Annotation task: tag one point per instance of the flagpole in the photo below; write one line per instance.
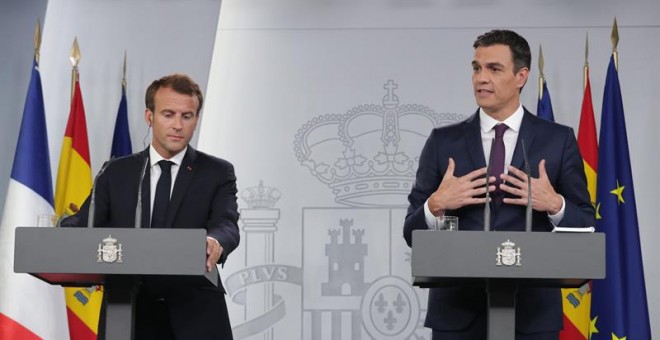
(75, 59)
(37, 41)
(541, 79)
(586, 63)
(615, 43)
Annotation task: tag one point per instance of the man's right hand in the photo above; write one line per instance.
(456, 192)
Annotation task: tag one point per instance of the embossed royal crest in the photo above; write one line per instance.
(507, 255)
(109, 251)
(369, 155)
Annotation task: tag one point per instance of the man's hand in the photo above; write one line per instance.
(456, 192)
(74, 208)
(213, 252)
(544, 197)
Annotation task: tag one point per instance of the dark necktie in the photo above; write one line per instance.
(162, 197)
(497, 165)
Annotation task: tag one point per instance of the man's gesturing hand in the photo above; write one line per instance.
(456, 192)
(544, 197)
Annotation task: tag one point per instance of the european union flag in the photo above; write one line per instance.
(121, 140)
(618, 307)
(544, 108)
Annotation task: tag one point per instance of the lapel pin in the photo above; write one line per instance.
(189, 168)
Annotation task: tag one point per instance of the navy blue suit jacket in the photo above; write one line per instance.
(204, 196)
(537, 310)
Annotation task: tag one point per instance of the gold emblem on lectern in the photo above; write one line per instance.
(507, 255)
(109, 251)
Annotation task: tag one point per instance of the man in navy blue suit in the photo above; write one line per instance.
(198, 191)
(451, 180)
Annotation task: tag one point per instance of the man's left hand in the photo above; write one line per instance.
(544, 196)
(213, 252)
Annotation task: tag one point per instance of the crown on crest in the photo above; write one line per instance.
(261, 197)
(368, 156)
(508, 244)
(109, 240)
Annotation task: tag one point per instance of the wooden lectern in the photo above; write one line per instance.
(502, 262)
(117, 258)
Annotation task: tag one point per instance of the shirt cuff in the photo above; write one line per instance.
(428, 216)
(556, 218)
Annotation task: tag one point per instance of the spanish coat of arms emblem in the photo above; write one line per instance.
(109, 251)
(507, 255)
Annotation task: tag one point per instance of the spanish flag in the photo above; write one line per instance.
(74, 182)
(577, 302)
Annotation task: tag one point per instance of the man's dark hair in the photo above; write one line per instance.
(522, 57)
(180, 83)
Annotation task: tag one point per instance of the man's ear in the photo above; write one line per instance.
(149, 117)
(522, 76)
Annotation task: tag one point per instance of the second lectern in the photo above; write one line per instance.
(503, 261)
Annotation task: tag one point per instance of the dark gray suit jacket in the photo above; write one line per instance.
(537, 310)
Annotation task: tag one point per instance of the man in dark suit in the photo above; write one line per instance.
(202, 194)
(451, 181)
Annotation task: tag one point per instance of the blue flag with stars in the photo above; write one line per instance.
(544, 108)
(618, 307)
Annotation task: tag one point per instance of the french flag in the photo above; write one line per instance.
(29, 308)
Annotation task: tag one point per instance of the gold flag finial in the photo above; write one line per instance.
(615, 43)
(37, 40)
(615, 36)
(541, 64)
(123, 77)
(586, 63)
(75, 59)
(586, 51)
(75, 53)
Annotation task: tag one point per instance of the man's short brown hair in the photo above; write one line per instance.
(178, 82)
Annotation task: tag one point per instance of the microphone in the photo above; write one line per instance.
(138, 207)
(146, 135)
(92, 198)
(528, 211)
(487, 206)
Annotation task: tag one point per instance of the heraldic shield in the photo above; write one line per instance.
(507, 255)
(109, 251)
(355, 276)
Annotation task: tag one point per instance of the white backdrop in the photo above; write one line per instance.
(298, 97)
(159, 37)
(278, 65)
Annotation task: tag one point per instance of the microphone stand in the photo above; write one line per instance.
(138, 207)
(488, 170)
(92, 198)
(528, 211)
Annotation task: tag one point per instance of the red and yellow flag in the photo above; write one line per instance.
(74, 182)
(577, 302)
(587, 141)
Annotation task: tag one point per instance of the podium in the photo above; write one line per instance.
(502, 262)
(117, 258)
